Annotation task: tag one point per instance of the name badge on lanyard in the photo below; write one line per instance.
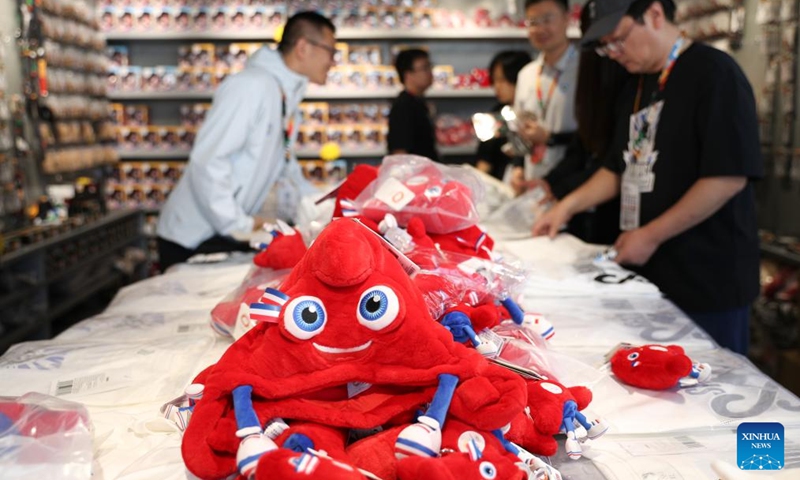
(640, 158)
(641, 155)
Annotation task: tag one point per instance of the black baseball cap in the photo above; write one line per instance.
(604, 16)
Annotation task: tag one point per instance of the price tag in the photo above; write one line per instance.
(394, 194)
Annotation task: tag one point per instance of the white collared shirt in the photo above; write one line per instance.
(560, 114)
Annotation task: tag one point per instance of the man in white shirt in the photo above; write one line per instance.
(545, 91)
(243, 152)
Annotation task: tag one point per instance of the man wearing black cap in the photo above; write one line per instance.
(684, 154)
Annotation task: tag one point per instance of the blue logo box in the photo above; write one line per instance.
(759, 446)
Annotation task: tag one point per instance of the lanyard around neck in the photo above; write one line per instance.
(680, 46)
(545, 104)
(288, 125)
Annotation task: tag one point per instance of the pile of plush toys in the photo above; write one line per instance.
(372, 358)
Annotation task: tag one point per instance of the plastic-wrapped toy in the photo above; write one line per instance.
(409, 186)
(354, 348)
(657, 367)
(284, 251)
(555, 408)
(44, 437)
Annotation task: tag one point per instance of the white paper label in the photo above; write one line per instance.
(394, 194)
(472, 266)
(662, 446)
(88, 384)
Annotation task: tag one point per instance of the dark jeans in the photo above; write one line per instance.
(170, 253)
(731, 329)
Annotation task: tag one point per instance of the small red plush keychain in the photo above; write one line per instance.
(657, 367)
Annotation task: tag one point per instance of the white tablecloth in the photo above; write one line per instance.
(155, 336)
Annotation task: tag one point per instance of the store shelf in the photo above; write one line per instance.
(509, 33)
(313, 94)
(153, 154)
(781, 254)
(9, 338)
(174, 95)
(107, 252)
(13, 298)
(74, 233)
(366, 152)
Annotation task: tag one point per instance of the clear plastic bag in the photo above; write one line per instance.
(449, 279)
(515, 219)
(443, 197)
(524, 348)
(231, 316)
(44, 437)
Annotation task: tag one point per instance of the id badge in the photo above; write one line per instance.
(647, 182)
(630, 204)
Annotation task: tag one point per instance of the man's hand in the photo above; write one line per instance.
(259, 222)
(533, 132)
(635, 247)
(551, 222)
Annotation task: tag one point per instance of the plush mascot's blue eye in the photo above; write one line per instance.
(488, 470)
(633, 356)
(305, 317)
(378, 307)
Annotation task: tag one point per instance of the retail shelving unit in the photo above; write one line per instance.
(313, 94)
(463, 48)
(60, 268)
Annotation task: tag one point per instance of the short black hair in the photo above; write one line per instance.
(637, 9)
(563, 3)
(300, 25)
(404, 62)
(511, 62)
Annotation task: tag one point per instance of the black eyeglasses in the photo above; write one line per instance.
(330, 50)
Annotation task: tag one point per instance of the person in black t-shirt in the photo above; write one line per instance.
(411, 129)
(503, 71)
(683, 158)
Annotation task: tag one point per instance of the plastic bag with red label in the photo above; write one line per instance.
(231, 317)
(44, 437)
(450, 279)
(443, 197)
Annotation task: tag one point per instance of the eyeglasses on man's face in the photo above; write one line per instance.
(541, 21)
(331, 50)
(615, 45)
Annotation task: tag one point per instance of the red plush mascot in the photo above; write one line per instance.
(555, 408)
(657, 367)
(353, 349)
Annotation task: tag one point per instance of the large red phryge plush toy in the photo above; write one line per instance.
(354, 348)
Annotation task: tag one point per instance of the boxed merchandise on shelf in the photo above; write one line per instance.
(142, 184)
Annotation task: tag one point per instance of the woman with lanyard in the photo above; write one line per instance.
(684, 155)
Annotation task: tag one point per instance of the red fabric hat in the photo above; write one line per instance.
(353, 315)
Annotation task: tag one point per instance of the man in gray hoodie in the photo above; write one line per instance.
(243, 152)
